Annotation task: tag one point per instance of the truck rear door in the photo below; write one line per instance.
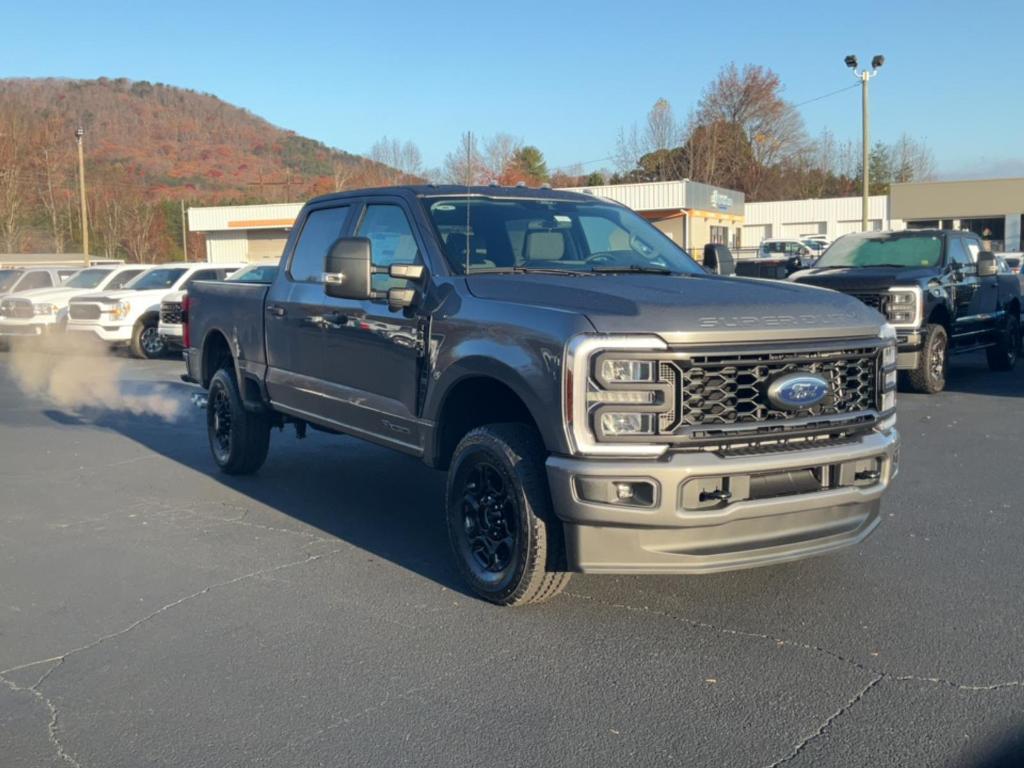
(294, 333)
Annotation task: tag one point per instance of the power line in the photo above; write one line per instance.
(826, 95)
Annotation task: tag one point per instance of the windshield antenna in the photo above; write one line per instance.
(469, 179)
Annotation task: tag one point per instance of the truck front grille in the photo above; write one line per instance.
(81, 311)
(877, 301)
(16, 308)
(170, 313)
(726, 393)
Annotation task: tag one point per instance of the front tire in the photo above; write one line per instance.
(1003, 356)
(147, 343)
(239, 439)
(506, 540)
(929, 376)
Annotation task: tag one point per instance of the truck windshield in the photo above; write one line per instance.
(87, 278)
(883, 250)
(156, 278)
(494, 235)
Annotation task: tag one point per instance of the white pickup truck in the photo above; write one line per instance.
(40, 311)
(130, 316)
(171, 306)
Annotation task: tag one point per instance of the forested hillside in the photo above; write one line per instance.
(147, 147)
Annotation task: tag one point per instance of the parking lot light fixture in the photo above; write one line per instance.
(864, 76)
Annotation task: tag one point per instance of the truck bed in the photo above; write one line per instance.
(234, 309)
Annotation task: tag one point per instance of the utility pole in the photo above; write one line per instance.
(864, 76)
(79, 133)
(184, 232)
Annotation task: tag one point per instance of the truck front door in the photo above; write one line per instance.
(371, 354)
(964, 285)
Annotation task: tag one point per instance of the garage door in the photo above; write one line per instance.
(266, 245)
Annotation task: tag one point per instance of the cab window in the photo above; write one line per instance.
(35, 280)
(957, 253)
(391, 241)
(321, 229)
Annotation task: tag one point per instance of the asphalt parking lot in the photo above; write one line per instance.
(156, 613)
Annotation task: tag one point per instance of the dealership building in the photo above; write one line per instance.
(693, 214)
(244, 233)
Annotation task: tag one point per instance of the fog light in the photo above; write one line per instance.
(890, 380)
(627, 493)
(888, 401)
(625, 424)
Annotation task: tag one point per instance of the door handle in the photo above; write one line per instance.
(276, 310)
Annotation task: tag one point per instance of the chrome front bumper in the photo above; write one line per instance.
(715, 513)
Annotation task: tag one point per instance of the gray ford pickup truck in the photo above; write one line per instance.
(600, 403)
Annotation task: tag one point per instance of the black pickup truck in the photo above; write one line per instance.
(939, 288)
(599, 401)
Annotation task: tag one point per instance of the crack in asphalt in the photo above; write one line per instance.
(877, 675)
(51, 726)
(820, 731)
(59, 659)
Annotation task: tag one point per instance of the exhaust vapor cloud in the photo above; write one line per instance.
(76, 372)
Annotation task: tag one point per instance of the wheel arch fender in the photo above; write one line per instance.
(485, 374)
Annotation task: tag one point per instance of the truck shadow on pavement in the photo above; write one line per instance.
(387, 504)
(970, 375)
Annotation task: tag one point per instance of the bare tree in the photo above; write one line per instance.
(13, 178)
(751, 100)
(465, 164)
(498, 156)
(912, 160)
(139, 234)
(400, 161)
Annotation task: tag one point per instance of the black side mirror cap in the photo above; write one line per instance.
(347, 269)
(987, 265)
(412, 272)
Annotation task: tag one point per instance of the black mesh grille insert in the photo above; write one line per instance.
(732, 388)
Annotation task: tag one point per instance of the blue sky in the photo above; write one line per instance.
(562, 75)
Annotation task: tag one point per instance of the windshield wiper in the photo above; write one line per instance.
(517, 270)
(635, 268)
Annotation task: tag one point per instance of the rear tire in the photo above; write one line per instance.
(506, 540)
(147, 343)
(239, 439)
(1003, 356)
(929, 376)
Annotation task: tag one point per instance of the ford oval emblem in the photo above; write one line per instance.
(797, 391)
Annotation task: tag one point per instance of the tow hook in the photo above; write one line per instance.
(199, 399)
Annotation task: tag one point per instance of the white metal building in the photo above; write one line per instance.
(691, 213)
(242, 233)
(831, 216)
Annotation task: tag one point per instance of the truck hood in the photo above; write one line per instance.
(135, 296)
(685, 309)
(863, 278)
(47, 295)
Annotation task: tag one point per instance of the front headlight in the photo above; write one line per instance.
(44, 309)
(887, 379)
(612, 396)
(904, 307)
(121, 310)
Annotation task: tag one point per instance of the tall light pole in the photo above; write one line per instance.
(79, 133)
(864, 76)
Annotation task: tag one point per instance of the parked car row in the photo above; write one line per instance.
(120, 304)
